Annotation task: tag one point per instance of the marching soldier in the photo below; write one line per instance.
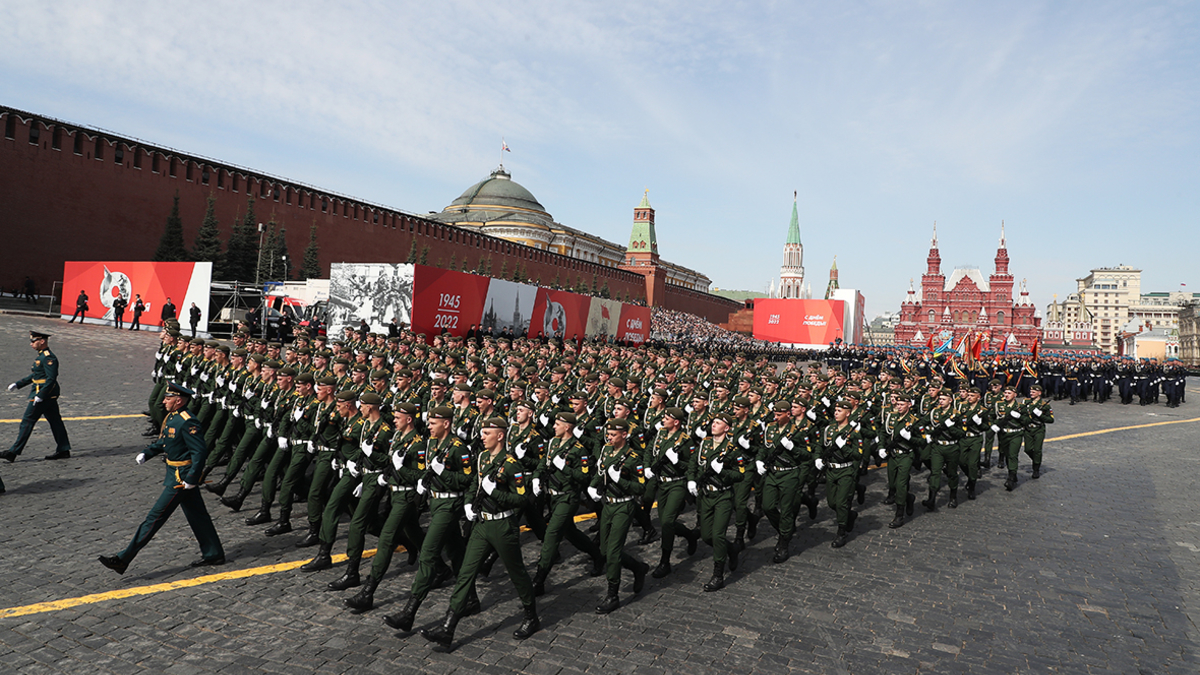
(1037, 414)
(901, 435)
(619, 479)
(719, 466)
(841, 454)
(667, 462)
(43, 401)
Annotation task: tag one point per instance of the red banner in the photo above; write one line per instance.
(447, 301)
(635, 324)
(183, 283)
(559, 314)
(807, 322)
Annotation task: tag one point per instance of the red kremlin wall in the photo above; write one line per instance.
(73, 193)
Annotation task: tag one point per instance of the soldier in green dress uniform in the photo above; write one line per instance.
(1037, 414)
(43, 401)
(841, 455)
(901, 436)
(618, 480)
(667, 461)
(718, 466)
(182, 442)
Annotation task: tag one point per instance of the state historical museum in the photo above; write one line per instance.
(967, 303)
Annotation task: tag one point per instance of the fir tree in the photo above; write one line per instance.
(488, 271)
(453, 266)
(503, 269)
(412, 252)
(424, 259)
(604, 291)
(312, 259)
(234, 250)
(557, 283)
(479, 268)
(267, 261)
(170, 247)
(208, 240)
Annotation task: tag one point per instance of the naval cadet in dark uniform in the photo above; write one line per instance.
(43, 401)
(181, 441)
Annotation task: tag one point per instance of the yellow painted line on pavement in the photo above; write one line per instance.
(79, 419)
(1114, 429)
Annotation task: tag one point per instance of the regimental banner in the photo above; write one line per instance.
(182, 282)
(371, 292)
(447, 301)
(799, 322)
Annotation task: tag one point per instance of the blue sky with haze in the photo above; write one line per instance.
(1076, 123)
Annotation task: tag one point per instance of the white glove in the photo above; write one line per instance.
(37, 400)
(1015, 415)
(381, 481)
(1037, 411)
(352, 468)
(237, 412)
(949, 422)
(263, 404)
(825, 401)
(520, 451)
(141, 458)
(812, 415)
(658, 426)
(977, 419)
(257, 423)
(717, 466)
(367, 448)
(421, 488)
(283, 443)
(220, 381)
(744, 442)
(312, 448)
(537, 486)
(787, 443)
(333, 464)
(995, 428)
(614, 473)
(672, 456)
(233, 388)
(883, 453)
(297, 414)
(544, 419)
(649, 473)
(270, 429)
(577, 433)
(358, 489)
(841, 442)
(398, 461)
(692, 488)
(762, 468)
(594, 494)
(188, 486)
(701, 432)
(689, 410)
(906, 434)
(12, 387)
(820, 464)
(560, 462)
(470, 511)
(462, 433)
(489, 485)
(437, 466)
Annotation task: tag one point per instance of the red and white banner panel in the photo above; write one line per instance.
(447, 301)
(798, 322)
(156, 282)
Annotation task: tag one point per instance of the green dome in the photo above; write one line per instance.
(498, 189)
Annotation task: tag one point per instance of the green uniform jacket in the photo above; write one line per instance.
(510, 479)
(43, 376)
(183, 441)
(727, 454)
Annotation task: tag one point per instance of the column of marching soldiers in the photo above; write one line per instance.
(483, 434)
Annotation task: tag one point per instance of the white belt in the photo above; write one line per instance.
(667, 479)
(445, 495)
(714, 488)
(784, 468)
(483, 515)
(617, 500)
(843, 465)
(947, 442)
(557, 493)
(400, 488)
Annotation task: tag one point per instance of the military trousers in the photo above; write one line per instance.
(989, 440)
(213, 430)
(944, 460)
(48, 408)
(339, 497)
(368, 508)
(230, 436)
(197, 516)
(401, 525)
(899, 468)
(1010, 446)
(444, 531)
(672, 497)
(839, 490)
(1034, 438)
(157, 412)
(615, 520)
(277, 469)
(318, 489)
(264, 452)
(713, 511)
(292, 476)
(970, 449)
(560, 526)
(742, 491)
(502, 535)
(246, 447)
(781, 500)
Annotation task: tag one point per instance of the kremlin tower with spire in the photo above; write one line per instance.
(967, 303)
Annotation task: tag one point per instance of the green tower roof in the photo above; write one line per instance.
(794, 229)
(643, 239)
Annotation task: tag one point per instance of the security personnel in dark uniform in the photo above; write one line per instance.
(182, 442)
(43, 401)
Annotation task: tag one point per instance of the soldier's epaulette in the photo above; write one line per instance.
(185, 415)
(509, 459)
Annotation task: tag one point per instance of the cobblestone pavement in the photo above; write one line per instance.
(1091, 569)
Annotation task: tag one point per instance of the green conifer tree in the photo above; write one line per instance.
(170, 247)
(312, 259)
(208, 239)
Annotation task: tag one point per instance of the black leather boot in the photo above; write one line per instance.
(898, 519)
(1037, 471)
(861, 490)
(218, 488)
(261, 518)
(364, 600)
(597, 567)
(235, 502)
(640, 570)
(717, 582)
(404, 620)
(953, 498)
(530, 625)
(664, 567)
(443, 635)
(812, 506)
(971, 490)
(839, 540)
(910, 504)
(752, 524)
(732, 551)
(930, 504)
(1011, 482)
(473, 605)
(310, 539)
(612, 599)
(851, 518)
(648, 536)
(782, 552)
(323, 561)
(539, 582)
(693, 540)
(349, 579)
(283, 525)
(740, 539)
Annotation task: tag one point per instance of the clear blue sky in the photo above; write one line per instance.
(1076, 123)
